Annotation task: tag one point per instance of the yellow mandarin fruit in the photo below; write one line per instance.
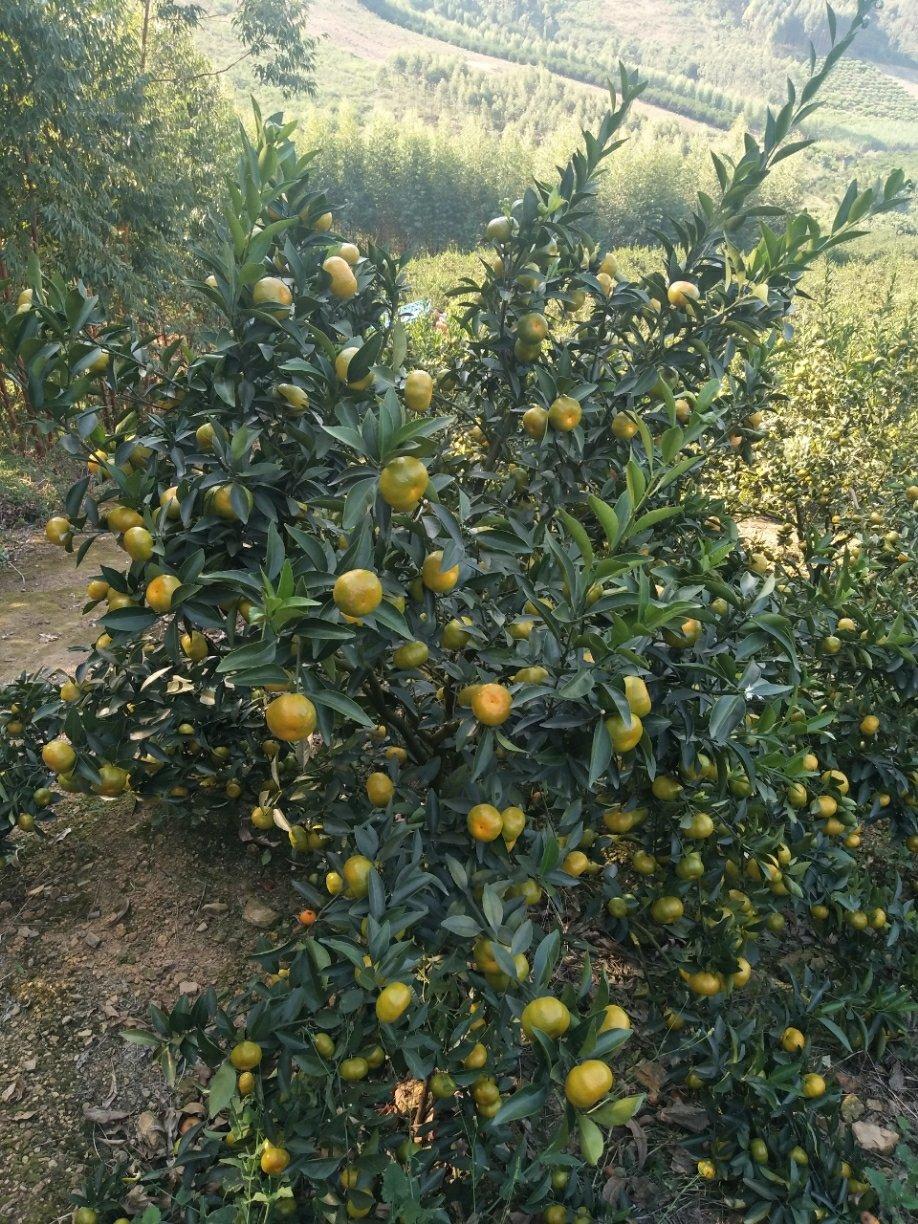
(587, 1083)
(614, 1017)
(484, 822)
(271, 291)
(418, 390)
(343, 282)
(564, 414)
(356, 872)
(291, 717)
(380, 789)
(393, 1002)
(357, 592)
(160, 590)
(637, 696)
(547, 1014)
(535, 421)
(681, 292)
(434, 577)
(402, 482)
(624, 737)
(342, 366)
(491, 704)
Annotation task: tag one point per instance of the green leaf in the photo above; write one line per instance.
(579, 536)
(726, 716)
(222, 1089)
(522, 1104)
(617, 1113)
(342, 705)
(592, 1140)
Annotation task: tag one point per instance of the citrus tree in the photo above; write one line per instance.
(509, 685)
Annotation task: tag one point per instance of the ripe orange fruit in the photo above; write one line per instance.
(271, 291)
(342, 365)
(357, 592)
(393, 1002)
(291, 717)
(356, 871)
(587, 1083)
(434, 577)
(418, 390)
(307, 917)
(343, 282)
(535, 421)
(547, 1014)
(402, 482)
(681, 292)
(814, 1086)
(137, 543)
(59, 756)
(564, 414)
(624, 427)
(870, 724)
(792, 1040)
(637, 696)
(666, 910)
(624, 737)
(484, 823)
(274, 1159)
(59, 530)
(245, 1055)
(491, 704)
(96, 589)
(614, 1017)
(160, 590)
(380, 789)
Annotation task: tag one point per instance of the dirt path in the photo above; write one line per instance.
(42, 594)
(106, 914)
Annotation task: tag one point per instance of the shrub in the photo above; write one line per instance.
(508, 683)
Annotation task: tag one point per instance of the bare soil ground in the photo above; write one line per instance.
(109, 913)
(41, 599)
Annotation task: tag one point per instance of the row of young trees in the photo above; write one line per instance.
(481, 652)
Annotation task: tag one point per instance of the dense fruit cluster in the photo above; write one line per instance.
(509, 686)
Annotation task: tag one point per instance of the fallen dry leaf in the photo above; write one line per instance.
(873, 1138)
(650, 1075)
(689, 1117)
(103, 1117)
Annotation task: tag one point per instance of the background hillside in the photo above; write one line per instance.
(488, 92)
